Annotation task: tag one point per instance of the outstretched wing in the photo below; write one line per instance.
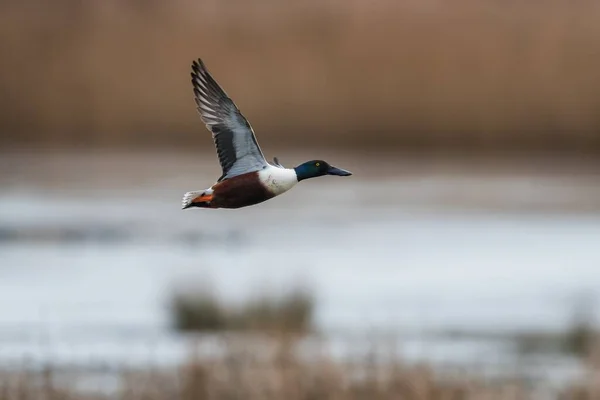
(237, 148)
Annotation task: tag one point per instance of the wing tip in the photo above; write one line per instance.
(198, 63)
(198, 68)
(200, 77)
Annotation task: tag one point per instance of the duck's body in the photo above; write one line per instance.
(244, 190)
(247, 178)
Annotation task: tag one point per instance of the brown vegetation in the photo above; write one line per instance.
(243, 372)
(486, 74)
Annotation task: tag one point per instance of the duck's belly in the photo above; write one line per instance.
(240, 191)
(252, 188)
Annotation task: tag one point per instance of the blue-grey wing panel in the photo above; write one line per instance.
(237, 148)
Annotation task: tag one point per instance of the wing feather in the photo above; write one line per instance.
(237, 148)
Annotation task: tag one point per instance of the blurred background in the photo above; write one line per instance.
(466, 240)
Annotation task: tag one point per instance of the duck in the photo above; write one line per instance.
(247, 177)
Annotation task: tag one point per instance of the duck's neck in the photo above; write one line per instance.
(302, 172)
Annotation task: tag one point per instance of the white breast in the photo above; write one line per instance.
(278, 180)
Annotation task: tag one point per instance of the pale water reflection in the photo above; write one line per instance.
(87, 270)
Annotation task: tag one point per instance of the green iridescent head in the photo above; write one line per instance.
(314, 168)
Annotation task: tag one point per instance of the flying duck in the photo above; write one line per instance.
(247, 177)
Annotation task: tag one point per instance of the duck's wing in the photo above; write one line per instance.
(237, 148)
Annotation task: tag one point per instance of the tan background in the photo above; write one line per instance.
(433, 74)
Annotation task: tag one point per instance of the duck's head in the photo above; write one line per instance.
(314, 168)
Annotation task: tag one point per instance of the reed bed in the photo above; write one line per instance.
(247, 372)
(481, 74)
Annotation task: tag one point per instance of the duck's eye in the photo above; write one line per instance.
(317, 164)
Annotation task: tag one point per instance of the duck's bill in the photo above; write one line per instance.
(338, 172)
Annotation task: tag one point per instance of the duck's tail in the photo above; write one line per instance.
(199, 198)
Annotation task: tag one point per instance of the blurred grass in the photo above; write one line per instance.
(480, 74)
(289, 313)
(244, 372)
(579, 339)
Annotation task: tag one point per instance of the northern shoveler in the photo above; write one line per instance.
(247, 177)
